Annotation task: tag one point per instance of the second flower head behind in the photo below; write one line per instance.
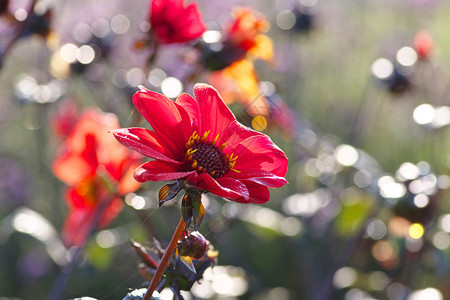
(198, 140)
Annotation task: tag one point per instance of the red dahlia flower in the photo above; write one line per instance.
(98, 172)
(171, 22)
(200, 142)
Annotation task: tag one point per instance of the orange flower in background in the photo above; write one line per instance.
(98, 172)
(172, 22)
(240, 82)
(242, 38)
(247, 32)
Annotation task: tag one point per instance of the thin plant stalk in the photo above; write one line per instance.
(165, 259)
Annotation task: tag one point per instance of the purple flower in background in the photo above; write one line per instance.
(10, 191)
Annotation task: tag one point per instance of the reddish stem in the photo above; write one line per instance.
(165, 260)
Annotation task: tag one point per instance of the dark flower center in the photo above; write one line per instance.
(206, 157)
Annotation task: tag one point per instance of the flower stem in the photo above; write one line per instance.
(165, 260)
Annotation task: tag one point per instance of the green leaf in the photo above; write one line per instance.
(187, 261)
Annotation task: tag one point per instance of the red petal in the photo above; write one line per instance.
(79, 222)
(214, 113)
(145, 142)
(235, 133)
(75, 230)
(259, 176)
(159, 171)
(161, 9)
(258, 194)
(173, 23)
(157, 7)
(259, 152)
(89, 148)
(173, 9)
(225, 187)
(169, 120)
(75, 200)
(71, 168)
(191, 107)
(193, 24)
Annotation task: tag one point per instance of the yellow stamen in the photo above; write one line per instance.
(190, 151)
(205, 136)
(216, 139)
(232, 161)
(194, 136)
(223, 146)
(194, 164)
(192, 139)
(213, 172)
(190, 157)
(199, 169)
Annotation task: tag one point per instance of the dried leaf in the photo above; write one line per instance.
(169, 191)
(187, 208)
(143, 254)
(198, 213)
(187, 261)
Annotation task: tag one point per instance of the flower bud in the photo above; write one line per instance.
(193, 245)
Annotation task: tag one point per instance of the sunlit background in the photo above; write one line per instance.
(358, 98)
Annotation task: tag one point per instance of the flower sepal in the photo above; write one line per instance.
(193, 246)
(192, 208)
(143, 255)
(169, 191)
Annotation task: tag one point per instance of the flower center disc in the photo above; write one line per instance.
(207, 158)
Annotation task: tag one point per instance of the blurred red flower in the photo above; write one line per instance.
(423, 44)
(172, 22)
(64, 118)
(98, 172)
(200, 141)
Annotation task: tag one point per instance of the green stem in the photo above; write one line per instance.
(165, 259)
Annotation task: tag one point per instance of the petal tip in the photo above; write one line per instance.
(142, 88)
(204, 88)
